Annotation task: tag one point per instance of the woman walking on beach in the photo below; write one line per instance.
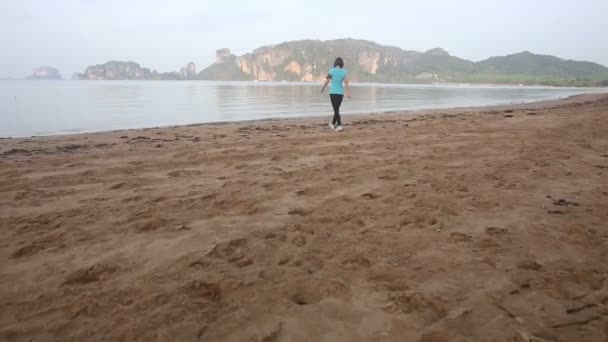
(337, 77)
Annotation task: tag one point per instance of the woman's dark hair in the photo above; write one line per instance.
(339, 62)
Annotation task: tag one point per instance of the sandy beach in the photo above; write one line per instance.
(475, 224)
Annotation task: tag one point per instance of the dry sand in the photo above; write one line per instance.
(483, 224)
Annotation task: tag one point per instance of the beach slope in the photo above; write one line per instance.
(478, 224)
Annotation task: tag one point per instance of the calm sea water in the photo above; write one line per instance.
(57, 107)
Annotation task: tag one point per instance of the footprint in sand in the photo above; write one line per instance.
(460, 237)
(487, 243)
(285, 259)
(88, 173)
(199, 263)
(304, 192)
(232, 251)
(118, 186)
(436, 336)
(529, 265)
(299, 211)
(355, 262)
(299, 240)
(314, 291)
(496, 231)
(183, 173)
(132, 199)
(389, 176)
(370, 195)
(200, 289)
(415, 303)
(152, 225)
(94, 273)
(27, 250)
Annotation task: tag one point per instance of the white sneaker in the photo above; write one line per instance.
(332, 126)
(339, 128)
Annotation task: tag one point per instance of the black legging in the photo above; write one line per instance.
(336, 101)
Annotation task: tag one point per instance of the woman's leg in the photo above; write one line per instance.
(336, 101)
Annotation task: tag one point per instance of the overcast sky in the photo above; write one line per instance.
(165, 35)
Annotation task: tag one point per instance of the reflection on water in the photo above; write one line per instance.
(35, 108)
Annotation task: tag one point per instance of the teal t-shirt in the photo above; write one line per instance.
(337, 78)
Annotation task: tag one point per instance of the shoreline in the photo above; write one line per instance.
(409, 113)
(538, 85)
(398, 228)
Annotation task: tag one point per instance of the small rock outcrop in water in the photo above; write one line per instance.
(45, 73)
(116, 70)
(188, 72)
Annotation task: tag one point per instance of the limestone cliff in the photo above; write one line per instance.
(309, 60)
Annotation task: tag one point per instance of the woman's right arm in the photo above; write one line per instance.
(326, 83)
(347, 86)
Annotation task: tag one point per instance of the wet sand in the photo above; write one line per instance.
(478, 224)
